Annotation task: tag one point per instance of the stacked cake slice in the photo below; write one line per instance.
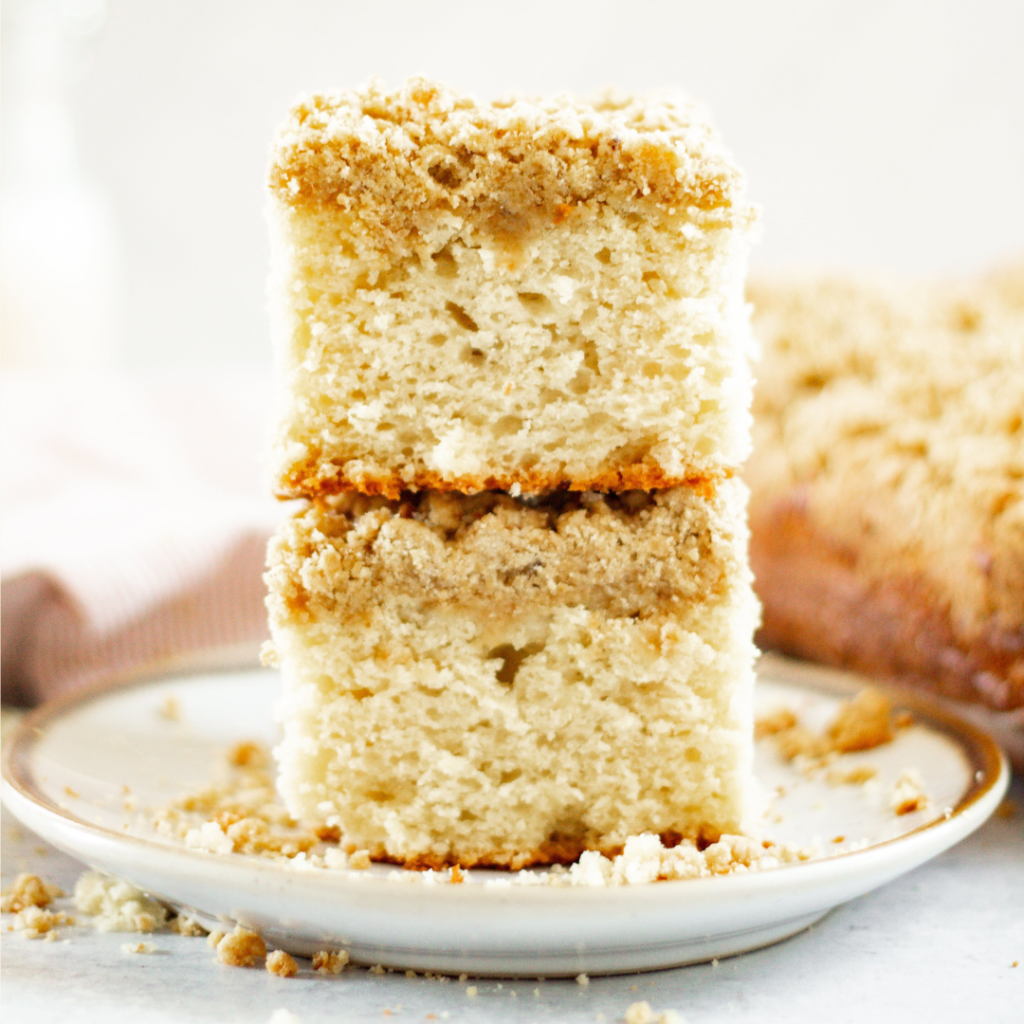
(514, 618)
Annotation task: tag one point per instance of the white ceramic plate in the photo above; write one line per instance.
(65, 769)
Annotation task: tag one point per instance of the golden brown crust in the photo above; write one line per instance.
(820, 604)
(309, 482)
(398, 161)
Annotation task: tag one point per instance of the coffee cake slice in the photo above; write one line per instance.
(526, 294)
(477, 680)
(887, 480)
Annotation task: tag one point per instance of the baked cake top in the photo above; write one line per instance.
(399, 160)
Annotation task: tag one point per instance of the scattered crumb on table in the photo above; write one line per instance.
(282, 964)
(36, 923)
(138, 947)
(185, 925)
(241, 948)
(330, 962)
(28, 891)
(116, 905)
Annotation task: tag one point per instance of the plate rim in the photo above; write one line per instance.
(989, 767)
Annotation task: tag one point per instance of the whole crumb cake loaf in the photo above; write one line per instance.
(483, 680)
(524, 294)
(887, 480)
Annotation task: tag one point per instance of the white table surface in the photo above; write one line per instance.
(934, 946)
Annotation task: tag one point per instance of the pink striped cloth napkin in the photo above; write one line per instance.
(134, 515)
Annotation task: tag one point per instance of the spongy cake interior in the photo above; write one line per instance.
(479, 681)
(544, 303)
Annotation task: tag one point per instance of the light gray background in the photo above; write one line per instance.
(878, 134)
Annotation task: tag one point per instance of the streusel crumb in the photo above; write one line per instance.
(855, 776)
(241, 948)
(138, 947)
(282, 964)
(184, 925)
(908, 793)
(116, 905)
(37, 923)
(862, 723)
(240, 813)
(248, 754)
(28, 891)
(775, 722)
(330, 962)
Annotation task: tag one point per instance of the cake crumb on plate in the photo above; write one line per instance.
(908, 793)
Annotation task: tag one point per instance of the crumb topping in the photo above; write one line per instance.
(398, 162)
